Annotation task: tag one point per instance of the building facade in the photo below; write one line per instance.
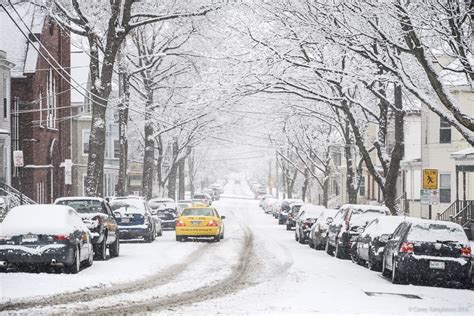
(5, 126)
(40, 100)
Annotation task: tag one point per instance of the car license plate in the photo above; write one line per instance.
(438, 265)
(195, 223)
(125, 220)
(29, 238)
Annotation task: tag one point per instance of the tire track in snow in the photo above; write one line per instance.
(164, 276)
(236, 281)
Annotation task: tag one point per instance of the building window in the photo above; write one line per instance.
(86, 134)
(5, 101)
(445, 188)
(362, 186)
(51, 100)
(444, 132)
(116, 149)
(336, 157)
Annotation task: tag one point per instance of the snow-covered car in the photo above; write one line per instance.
(267, 204)
(200, 222)
(155, 203)
(263, 198)
(289, 217)
(135, 220)
(285, 207)
(348, 224)
(36, 236)
(429, 251)
(307, 216)
(99, 218)
(168, 219)
(205, 198)
(369, 246)
(318, 233)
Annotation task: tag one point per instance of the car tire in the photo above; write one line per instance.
(149, 238)
(467, 283)
(338, 251)
(114, 248)
(179, 238)
(217, 238)
(397, 276)
(100, 250)
(301, 240)
(288, 227)
(371, 264)
(296, 236)
(160, 233)
(329, 250)
(310, 243)
(385, 271)
(76, 265)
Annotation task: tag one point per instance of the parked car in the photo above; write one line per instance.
(292, 214)
(99, 218)
(263, 199)
(135, 220)
(369, 246)
(284, 213)
(205, 198)
(45, 235)
(307, 216)
(155, 203)
(348, 224)
(429, 251)
(318, 233)
(267, 204)
(200, 222)
(276, 207)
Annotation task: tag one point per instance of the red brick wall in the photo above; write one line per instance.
(27, 91)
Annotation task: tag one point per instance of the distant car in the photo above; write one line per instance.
(200, 222)
(285, 206)
(289, 218)
(262, 199)
(318, 233)
(182, 204)
(428, 250)
(267, 204)
(45, 235)
(168, 220)
(204, 197)
(99, 218)
(348, 224)
(369, 246)
(307, 216)
(135, 220)
(155, 203)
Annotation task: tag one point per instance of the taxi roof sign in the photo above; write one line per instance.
(430, 179)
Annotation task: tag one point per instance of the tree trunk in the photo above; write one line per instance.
(305, 185)
(122, 182)
(191, 168)
(351, 186)
(182, 185)
(325, 191)
(149, 154)
(173, 173)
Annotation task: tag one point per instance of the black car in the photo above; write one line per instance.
(429, 251)
(307, 216)
(369, 246)
(168, 219)
(37, 236)
(318, 233)
(134, 219)
(348, 224)
(289, 214)
(98, 217)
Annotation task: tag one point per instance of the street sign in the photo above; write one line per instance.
(430, 179)
(67, 171)
(18, 158)
(434, 197)
(429, 197)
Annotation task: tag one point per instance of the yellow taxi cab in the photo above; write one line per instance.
(199, 222)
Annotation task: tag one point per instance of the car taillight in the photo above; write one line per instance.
(180, 223)
(61, 237)
(212, 223)
(466, 252)
(406, 247)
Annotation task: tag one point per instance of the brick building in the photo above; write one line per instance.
(40, 93)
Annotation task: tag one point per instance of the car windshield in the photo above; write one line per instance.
(84, 206)
(126, 203)
(365, 217)
(436, 232)
(166, 216)
(198, 212)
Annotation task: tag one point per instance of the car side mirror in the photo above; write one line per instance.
(329, 220)
(223, 217)
(360, 230)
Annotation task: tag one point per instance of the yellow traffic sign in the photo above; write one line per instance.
(430, 179)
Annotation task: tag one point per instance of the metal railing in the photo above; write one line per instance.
(12, 198)
(449, 213)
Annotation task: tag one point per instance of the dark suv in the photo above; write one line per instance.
(348, 224)
(428, 250)
(98, 217)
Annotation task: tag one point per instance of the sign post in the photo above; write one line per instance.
(18, 158)
(429, 194)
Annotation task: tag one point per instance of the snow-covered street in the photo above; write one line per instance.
(257, 268)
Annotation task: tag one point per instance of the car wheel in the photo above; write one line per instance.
(76, 265)
(310, 243)
(100, 250)
(160, 233)
(296, 236)
(90, 259)
(217, 238)
(338, 251)
(301, 240)
(179, 238)
(148, 238)
(114, 249)
(397, 276)
(467, 283)
(329, 250)
(371, 264)
(288, 227)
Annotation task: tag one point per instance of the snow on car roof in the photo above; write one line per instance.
(368, 207)
(130, 210)
(79, 198)
(433, 230)
(385, 224)
(136, 203)
(40, 219)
